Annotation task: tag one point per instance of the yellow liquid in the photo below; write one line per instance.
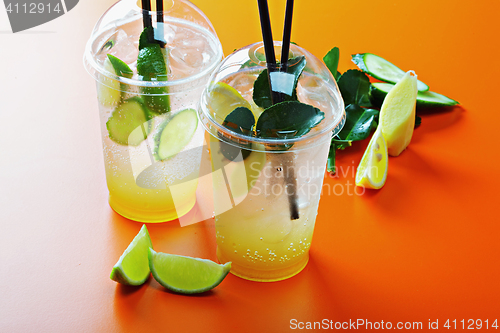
(267, 246)
(255, 232)
(146, 190)
(149, 205)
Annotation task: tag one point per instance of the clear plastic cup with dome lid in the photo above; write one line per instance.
(268, 157)
(151, 65)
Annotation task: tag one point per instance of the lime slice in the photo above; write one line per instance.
(133, 268)
(186, 275)
(108, 90)
(397, 115)
(175, 133)
(223, 99)
(129, 123)
(372, 169)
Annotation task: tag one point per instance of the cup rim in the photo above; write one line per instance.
(334, 127)
(96, 70)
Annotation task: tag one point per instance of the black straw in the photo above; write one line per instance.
(146, 17)
(159, 11)
(159, 23)
(267, 37)
(287, 32)
(290, 172)
(148, 22)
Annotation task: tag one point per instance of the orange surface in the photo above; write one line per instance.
(425, 247)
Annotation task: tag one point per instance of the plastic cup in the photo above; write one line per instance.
(256, 180)
(139, 179)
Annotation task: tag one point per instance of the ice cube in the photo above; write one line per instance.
(121, 46)
(189, 53)
(311, 90)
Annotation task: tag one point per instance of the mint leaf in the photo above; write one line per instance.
(261, 87)
(288, 119)
(358, 125)
(355, 88)
(331, 60)
(261, 91)
(241, 120)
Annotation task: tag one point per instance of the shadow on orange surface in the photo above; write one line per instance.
(191, 240)
(436, 119)
(130, 292)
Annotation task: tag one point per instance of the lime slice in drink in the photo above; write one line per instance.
(129, 123)
(108, 90)
(175, 133)
(120, 67)
(223, 99)
(133, 268)
(372, 170)
(186, 275)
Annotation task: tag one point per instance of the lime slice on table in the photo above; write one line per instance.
(186, 275)
(129, 123)
(397, 114)
(152, 66)
(175, 133)
(108, 90)
(133, 266)
(372, 169)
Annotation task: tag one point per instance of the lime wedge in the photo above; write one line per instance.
(152, 66)
(132, 268)
(108, 90)
(120, 67)
(186, 275)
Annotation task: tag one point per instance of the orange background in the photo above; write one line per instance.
(424, 247)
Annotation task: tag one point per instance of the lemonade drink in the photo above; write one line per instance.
(257, 235)
(152, 140)
(257, 180)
